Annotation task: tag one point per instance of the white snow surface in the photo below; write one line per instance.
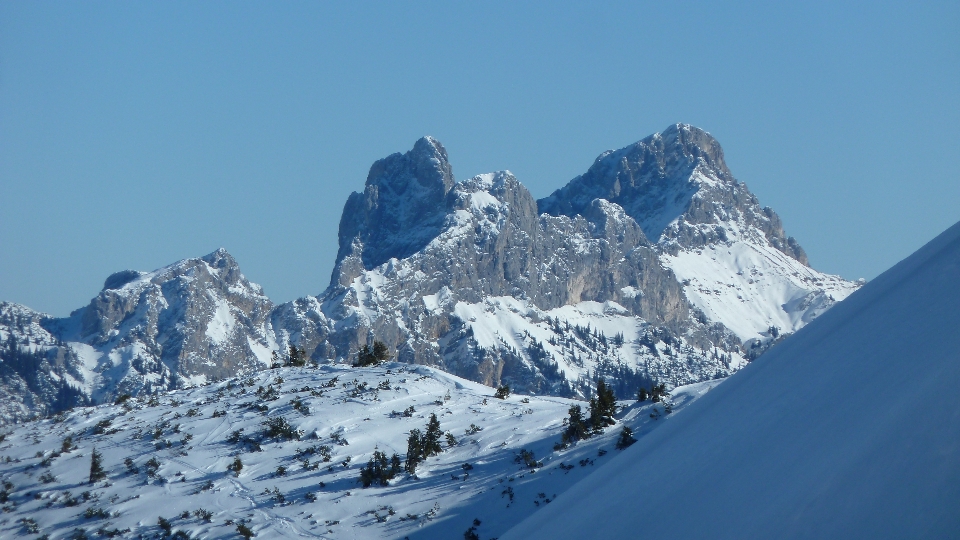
(222, 323)
(850, 428)
(750, 286)
(351, 412)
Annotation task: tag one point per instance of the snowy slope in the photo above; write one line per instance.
(751, 287)
(850, 428)
(345, 412)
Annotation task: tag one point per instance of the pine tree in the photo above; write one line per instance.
(97, 472)
(236, 466)
(657, 393)
(380, 351)
(576, 426)
(414, 451)
(603, 407)
(379, 470)
(297, 357)
(431, 439)
(626, 438)
(368, 356)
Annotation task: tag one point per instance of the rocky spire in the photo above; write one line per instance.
(401, 208)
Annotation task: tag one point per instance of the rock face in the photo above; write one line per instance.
(678, 188)
(654, 265)
(182, 325)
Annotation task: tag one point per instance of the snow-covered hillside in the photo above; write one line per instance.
(850, 428)
(171, 456)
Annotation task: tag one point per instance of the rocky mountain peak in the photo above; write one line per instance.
(401, 208)
(678, 188)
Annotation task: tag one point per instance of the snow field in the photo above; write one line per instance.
(350, 411)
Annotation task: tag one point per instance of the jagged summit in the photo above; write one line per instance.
(401, 207)
(676, 185)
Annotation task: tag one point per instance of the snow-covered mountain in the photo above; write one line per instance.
(735, 262)
(181, 325)
(655, 265)
(847, 429)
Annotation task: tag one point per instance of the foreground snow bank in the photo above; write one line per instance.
(848, 429)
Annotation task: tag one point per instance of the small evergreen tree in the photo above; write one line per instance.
(245, 531)
(371, 356)
(414, 451)
(626, 438)
(502, 392)
(431, 439)
(379, 470)
(297, 357)
(641, 395)
(576, 426)
(603, 407)
(657, 392)
(236, 466)
(97, 472)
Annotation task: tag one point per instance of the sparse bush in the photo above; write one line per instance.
(102, 427)
(165, 526)
(502, 392)
(451, 440)
(121, 399)
(245, 531)
(30, 525)
(95, 512)
(278, 428)
(67, 444)
(527, 458)
(152, 465)
(204, 515)
(236, 466)
(281, 471)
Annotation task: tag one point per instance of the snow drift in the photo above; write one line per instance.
(849, 428)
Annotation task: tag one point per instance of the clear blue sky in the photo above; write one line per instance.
(134, 134)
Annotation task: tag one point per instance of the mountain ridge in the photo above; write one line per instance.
(673, 273)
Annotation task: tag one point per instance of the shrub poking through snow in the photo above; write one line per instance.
(379, 470)
(626, 438)
(278, 428)
(502, 392)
